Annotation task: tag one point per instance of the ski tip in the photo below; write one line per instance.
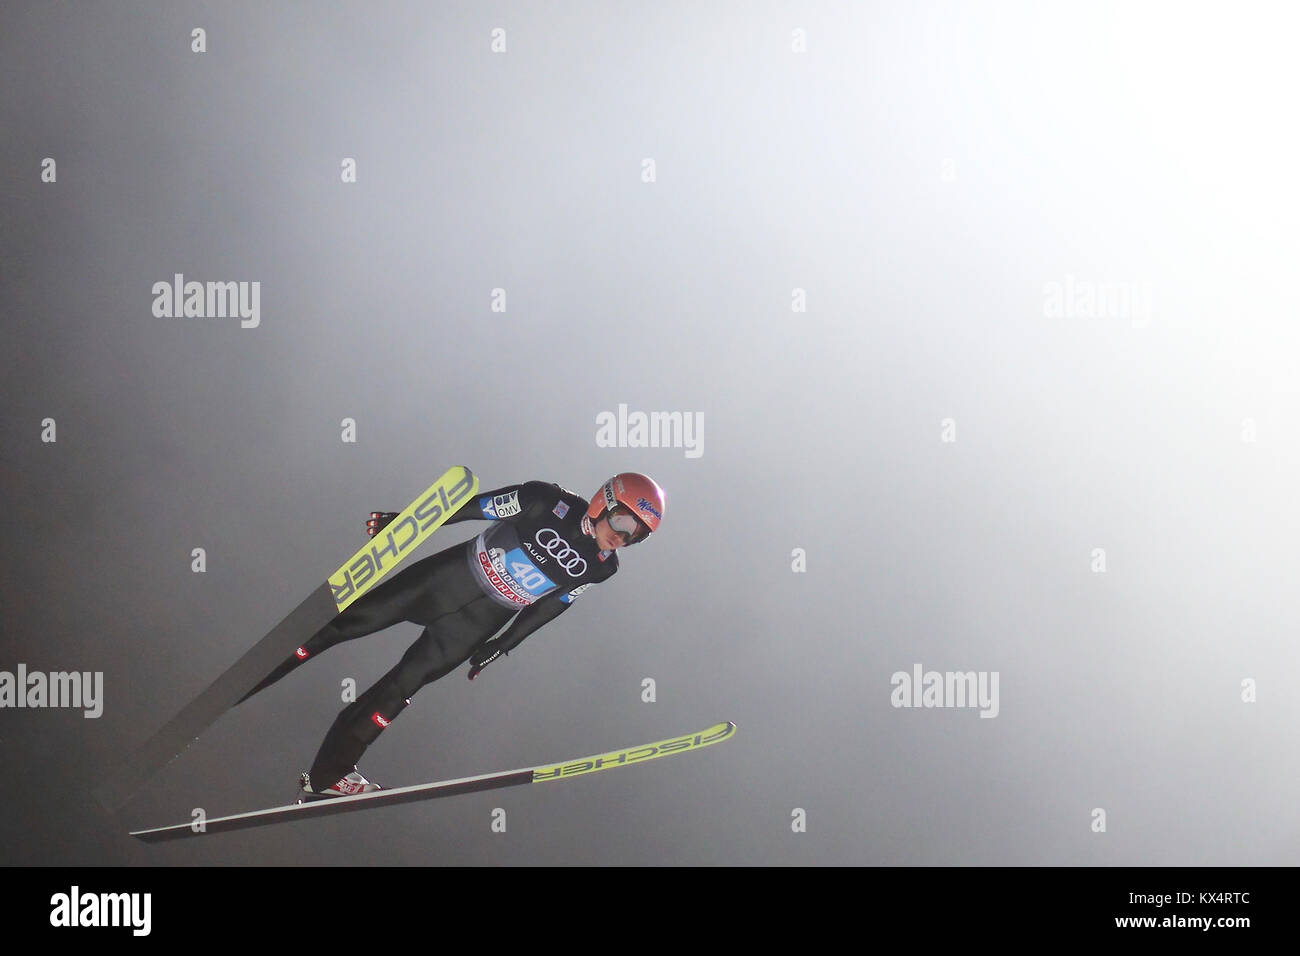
(719, 732)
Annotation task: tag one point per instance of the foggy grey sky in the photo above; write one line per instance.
(929, 174)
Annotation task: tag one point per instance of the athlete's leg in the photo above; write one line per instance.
(444, 646)
(389, 603)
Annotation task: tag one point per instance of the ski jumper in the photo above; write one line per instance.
(537, 555)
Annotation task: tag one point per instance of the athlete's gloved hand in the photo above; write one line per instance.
(484, 656)
(379, 520)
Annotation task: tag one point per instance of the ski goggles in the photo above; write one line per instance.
(627, 526)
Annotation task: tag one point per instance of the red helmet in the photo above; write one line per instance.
(639, 494)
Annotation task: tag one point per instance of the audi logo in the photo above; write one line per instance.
(559, 549)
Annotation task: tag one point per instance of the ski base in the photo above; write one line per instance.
(445, 788)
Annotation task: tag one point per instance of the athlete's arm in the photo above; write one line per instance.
(509, 501)
(502, 504)
(525, 622)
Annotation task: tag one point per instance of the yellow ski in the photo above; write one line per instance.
(445, 788)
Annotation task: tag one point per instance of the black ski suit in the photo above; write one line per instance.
(530, 563)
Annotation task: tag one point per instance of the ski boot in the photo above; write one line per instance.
(349, 786)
